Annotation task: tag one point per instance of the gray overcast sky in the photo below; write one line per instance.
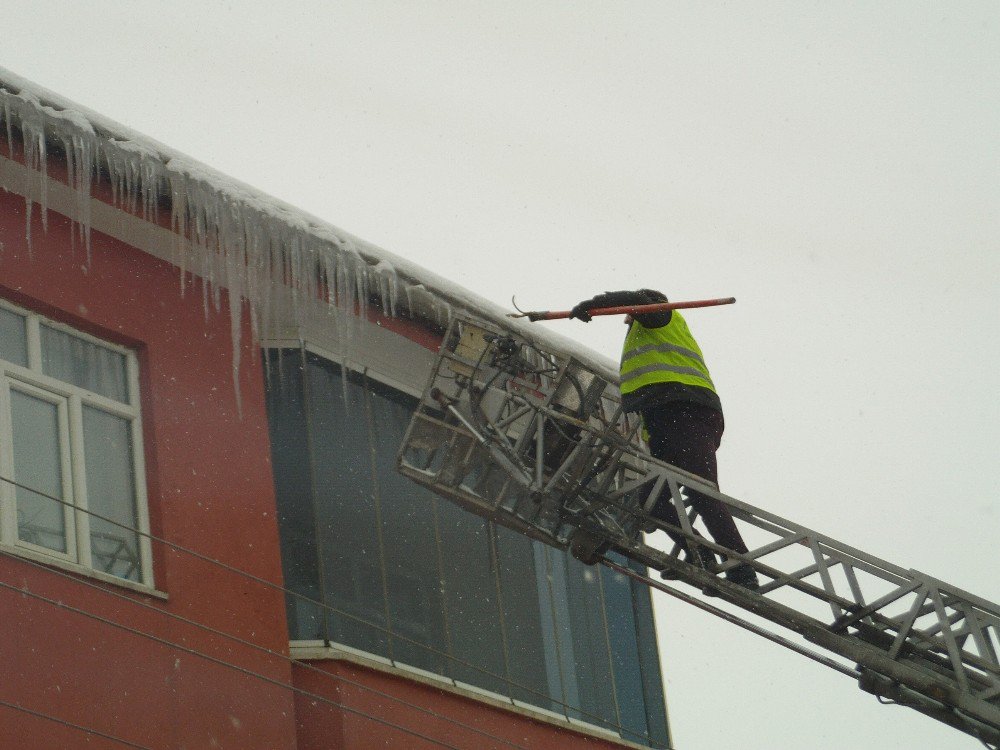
(834, 166)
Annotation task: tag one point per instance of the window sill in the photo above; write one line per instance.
(306, 651)
(80, 570)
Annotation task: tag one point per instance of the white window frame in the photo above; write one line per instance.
(70, 400)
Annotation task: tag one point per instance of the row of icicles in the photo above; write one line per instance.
(227, 237)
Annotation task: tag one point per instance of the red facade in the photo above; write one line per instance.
(202, 659)
(210, 490)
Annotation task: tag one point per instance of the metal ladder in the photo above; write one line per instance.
(537, 441)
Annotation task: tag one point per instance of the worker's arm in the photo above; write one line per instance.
(622, 299)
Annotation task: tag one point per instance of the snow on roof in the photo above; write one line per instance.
(232, 235)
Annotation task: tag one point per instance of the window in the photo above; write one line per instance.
(405, 575)
(70, 449)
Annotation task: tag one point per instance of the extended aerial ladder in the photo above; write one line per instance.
(537, 441)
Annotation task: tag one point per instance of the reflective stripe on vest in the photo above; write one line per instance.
(662, 355)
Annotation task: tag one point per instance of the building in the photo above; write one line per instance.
(203, 538)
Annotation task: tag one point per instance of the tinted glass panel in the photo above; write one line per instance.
(470, 591)
(293, 480)
(522, 618)
(344, 488)
(412, 567)
(557, 639)
(587, 628)
(13, 340)
(649, 662)
(623, 636)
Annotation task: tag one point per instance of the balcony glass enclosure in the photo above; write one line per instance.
(378, 563)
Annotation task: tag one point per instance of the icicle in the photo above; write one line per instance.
(255, 289)
(234, 292)
(344, 390)
(230, 239)
(113, 157)
(152, 177)
(35, 159)
(135, 173)
(178, 226)
(9, 119)
(410, 290)
(81, 163)
(388, 282)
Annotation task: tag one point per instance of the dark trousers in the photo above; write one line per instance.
(687, 435)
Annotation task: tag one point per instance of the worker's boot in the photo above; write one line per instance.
(707, 560)
(742, 575)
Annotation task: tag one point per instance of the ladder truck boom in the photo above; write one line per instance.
(537, 441)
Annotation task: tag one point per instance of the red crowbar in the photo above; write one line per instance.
(623, 310)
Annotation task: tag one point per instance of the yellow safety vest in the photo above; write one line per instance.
(668, 354)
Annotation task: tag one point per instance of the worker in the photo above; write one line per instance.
(664, 378)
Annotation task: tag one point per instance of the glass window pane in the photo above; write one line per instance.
(407, 511)
(13, 339)
(588, 630)
(625, 653)
(84, 364)
(343, 482)
(470, 590)
(107, 445)
(559, 652)
(649, 661)
(38, 466)
(522, 619)
(293, 489)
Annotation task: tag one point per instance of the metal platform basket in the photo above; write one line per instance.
(532, 439)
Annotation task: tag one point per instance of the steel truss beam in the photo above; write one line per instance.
(537, 441)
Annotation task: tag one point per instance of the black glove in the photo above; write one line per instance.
(582, 311)
(622, 299)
